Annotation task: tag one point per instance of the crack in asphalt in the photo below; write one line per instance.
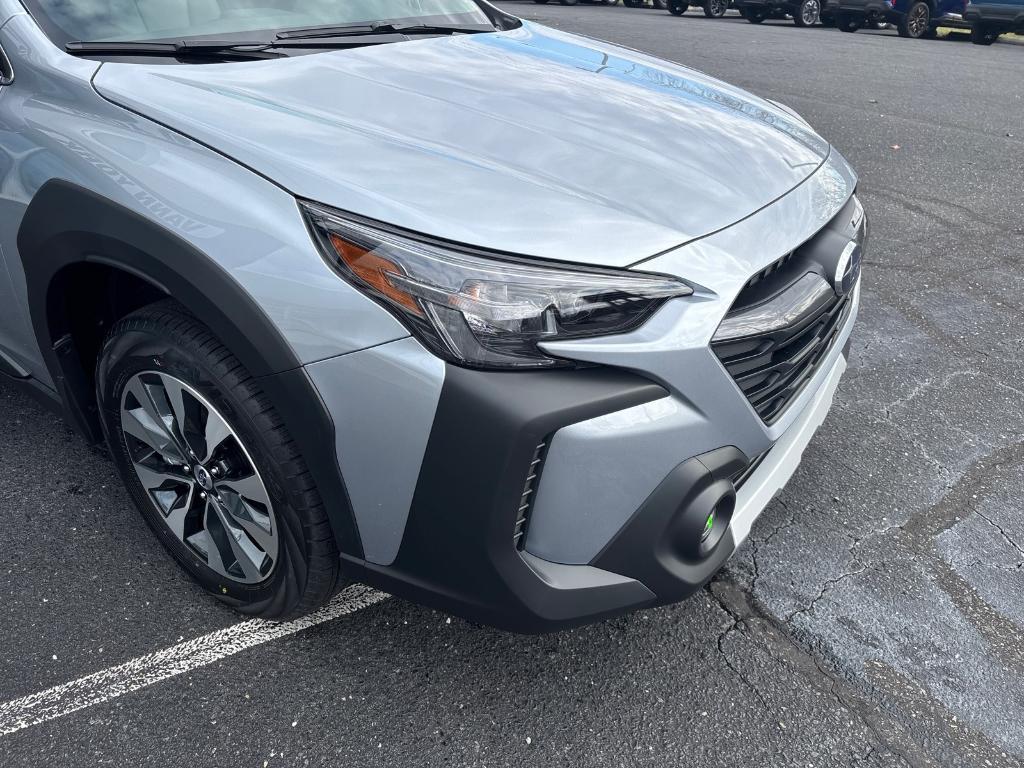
(1002, 532)
(742, 608)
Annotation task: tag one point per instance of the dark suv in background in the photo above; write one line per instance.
(991, 19)
(913, 18)
(805, 13)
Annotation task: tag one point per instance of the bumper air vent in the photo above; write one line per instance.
(529, 491)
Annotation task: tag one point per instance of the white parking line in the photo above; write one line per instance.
(146, 670)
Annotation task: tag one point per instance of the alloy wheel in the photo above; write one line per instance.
(809, 12)
(918, 21)
(200, 477)
(719, 7)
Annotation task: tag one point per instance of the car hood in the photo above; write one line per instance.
(529, 141)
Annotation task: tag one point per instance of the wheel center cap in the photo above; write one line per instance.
(204, 478)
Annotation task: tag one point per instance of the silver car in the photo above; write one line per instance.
(416, 293)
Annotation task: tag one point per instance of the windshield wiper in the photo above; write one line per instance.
(376, 28)
(310, 37)
(205, 48)
(249, 49)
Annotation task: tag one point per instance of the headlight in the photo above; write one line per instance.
(486, 311)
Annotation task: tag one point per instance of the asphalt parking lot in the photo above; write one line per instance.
(875, 618)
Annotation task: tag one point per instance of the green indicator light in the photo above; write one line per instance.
(708, 525)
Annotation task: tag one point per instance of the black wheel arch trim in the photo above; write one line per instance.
(66, 225)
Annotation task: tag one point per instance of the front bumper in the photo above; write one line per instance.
(458, 552)
(440, 462)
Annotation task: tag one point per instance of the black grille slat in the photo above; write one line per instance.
(743, 475)
(771, 367)
(791, 366)
(526, 500)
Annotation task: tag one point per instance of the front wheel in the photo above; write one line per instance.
(211, 467)
(916, 22)
(806, 14)
(716, 9)
(981, 35)
(677, 7)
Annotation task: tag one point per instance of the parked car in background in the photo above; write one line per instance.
(805, 13)
(659, 4)
(991, 18)
(713, 9)
(574, 2)
(913, 18)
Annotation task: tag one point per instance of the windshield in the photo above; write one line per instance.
(113, 20)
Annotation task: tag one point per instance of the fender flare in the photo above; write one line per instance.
(66, 224)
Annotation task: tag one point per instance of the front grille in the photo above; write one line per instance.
(772, 348)
(529, 491)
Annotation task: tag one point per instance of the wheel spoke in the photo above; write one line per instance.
(175, 519)
(241, 551)
(254, 522)
(215, 432)
(171, 493)
(147, 424)
(250, 487)
(156, 480)
(176, 394)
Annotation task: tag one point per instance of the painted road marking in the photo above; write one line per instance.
(146, 670)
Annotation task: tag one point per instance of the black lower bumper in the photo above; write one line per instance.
(458, 552)
(878, 9)
(787, 6)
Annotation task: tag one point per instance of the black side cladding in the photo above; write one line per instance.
(67, 225)
(458, 552)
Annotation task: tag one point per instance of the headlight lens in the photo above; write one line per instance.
(486, 311)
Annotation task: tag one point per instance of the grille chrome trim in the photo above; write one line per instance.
(772, 349)
(783, 310)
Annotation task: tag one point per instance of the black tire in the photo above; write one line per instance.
(677, 7)
(846, 22)
(916, 22)
(982, 35)
(806, 13)
(165, 337)
(828, 20)
(755, 15)
(715, 9)
(541, 2)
